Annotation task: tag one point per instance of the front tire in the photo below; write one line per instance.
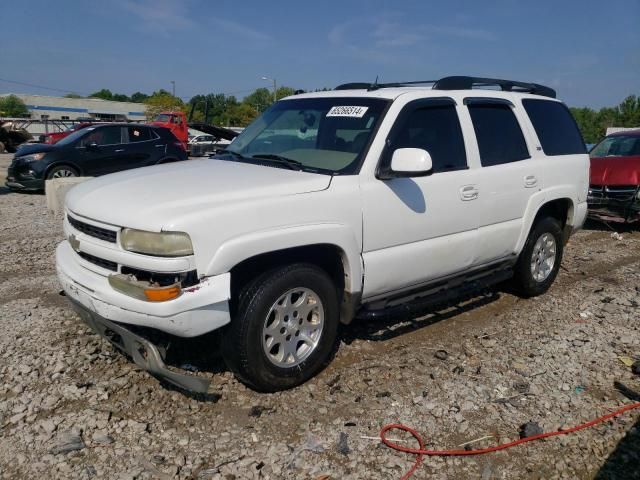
(539, 261)
(285, 327)
(61, 171)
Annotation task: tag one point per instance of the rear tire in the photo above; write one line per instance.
(539, 261)
(284, 329)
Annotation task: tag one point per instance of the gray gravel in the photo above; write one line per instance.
(72, 407)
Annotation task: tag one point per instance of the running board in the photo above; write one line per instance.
(436, 294)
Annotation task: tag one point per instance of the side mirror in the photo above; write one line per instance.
(409, 162)
(91, 146)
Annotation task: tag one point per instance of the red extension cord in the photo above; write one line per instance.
(420, 452)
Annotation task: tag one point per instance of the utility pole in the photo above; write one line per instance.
(275, 89)
(173, 88)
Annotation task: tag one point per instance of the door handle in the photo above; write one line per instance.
(530, 181)
(469, 192)
(160, 146)
(120, 150)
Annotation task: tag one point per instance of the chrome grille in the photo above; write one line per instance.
(92, 230)
(101, 262)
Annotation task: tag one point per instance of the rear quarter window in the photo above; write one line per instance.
(555, 127)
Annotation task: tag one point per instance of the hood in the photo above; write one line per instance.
(30, 148)
(615, 171)
(155, 198)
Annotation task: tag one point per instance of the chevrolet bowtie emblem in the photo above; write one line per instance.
(74, 242)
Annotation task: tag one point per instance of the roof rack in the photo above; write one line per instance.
(461, 83)
(376, 85)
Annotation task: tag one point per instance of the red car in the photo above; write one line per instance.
(55, 137)
(614, 192)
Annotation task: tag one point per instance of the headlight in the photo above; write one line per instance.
(163, 244)
(34, 157)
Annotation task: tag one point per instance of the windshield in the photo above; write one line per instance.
(69, 139)
(163, 118)
(618, 146)
(319, 134)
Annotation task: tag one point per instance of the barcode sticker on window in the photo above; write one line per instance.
(347, 111)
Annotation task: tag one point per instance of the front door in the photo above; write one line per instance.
(103, 149)
(419, 229)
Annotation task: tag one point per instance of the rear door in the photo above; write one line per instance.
(139, 147)
(507, 179)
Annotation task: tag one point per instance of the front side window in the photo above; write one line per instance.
(500, 139)
(436, 130)
(103, 136)
(555, 127)
(618, 146)
(329, 135)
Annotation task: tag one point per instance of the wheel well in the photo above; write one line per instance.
(558, 209)
(69, 165)
(325, 256)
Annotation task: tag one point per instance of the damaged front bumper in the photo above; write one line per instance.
(119, 317)
(144, 353)
(616, 204)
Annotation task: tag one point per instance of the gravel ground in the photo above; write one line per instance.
(72, 407)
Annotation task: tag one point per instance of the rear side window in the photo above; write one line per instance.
(436, 130)
(138, 134)
(556, 128)
(500, 139)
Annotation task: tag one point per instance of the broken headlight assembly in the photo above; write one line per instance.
(162, 244)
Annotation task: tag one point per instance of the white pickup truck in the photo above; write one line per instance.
(365, 201)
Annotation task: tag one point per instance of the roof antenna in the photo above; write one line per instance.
(374, 85)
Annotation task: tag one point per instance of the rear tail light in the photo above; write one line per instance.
(181, 145)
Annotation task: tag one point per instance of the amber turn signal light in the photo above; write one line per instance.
(162, 294)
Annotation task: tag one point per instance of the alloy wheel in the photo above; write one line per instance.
(293, 327)
(543, 257)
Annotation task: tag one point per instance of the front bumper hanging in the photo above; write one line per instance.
(144, 353)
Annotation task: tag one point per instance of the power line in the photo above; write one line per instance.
(36, 86)
(32, 85)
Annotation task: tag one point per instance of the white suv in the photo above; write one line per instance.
(364, 201)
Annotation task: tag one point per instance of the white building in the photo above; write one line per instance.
(68, 109)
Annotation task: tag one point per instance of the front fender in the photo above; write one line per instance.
(247, 246)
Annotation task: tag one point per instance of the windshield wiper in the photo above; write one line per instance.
(292, 164)
(230, 152)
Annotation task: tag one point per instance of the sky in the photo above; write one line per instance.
(589, 51)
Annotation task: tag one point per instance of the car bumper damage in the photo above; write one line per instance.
(143, 352)
(615, 203)
(117, 317)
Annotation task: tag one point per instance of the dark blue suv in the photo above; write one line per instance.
(92, 151)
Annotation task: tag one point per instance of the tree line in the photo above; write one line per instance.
(593, 123)
(215, 108)
(227, 110)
